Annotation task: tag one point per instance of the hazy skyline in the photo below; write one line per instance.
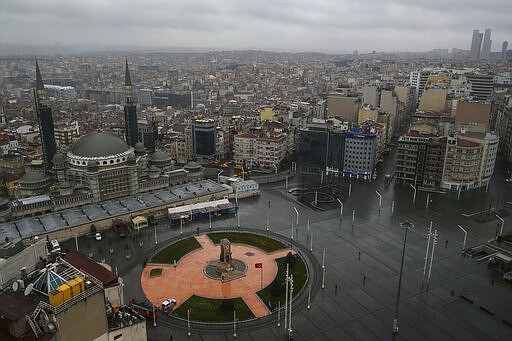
(324, 25)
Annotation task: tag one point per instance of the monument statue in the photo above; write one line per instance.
(225, 268)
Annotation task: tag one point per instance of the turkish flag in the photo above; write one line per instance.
(258, 265)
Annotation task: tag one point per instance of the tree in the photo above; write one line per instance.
(290, 259)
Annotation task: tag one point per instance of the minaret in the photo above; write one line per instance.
(45, 118)
(130, 110)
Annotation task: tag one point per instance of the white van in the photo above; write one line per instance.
(55, 246)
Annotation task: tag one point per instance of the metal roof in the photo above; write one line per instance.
(31, 226)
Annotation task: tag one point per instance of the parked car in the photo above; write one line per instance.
(97, 236)
(508, 180)
(168, 303)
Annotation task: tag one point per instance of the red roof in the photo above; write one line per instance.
(246, 136)
(84, 263)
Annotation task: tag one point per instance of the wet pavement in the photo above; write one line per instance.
(463, 300)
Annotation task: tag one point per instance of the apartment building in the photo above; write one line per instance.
(263, 151)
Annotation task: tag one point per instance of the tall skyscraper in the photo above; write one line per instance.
(45, 118)
(504, 48)
(130, 111)
(476, 43)
(486, 47)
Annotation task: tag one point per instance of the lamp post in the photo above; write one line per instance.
(286, 297)
(429, 234)
(234, 323)
(291, 228)
(154, 316)
(296, 212)
(380, 200)
(406, 225)
(210, 219)
(268, 216)
(156, 239)
(279, 313)
(465, 236)
(237, 218)
(309, 297)
(498, 235)
(432, 257)
(341, 209)
(181, 225)
(414, 196)
(188, 322)
(291, 301)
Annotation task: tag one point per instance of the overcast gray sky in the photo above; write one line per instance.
(297, 25)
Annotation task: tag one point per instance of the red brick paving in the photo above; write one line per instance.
(188, 278)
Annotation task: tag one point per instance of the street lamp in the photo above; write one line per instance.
(268, 216)
(297, 212)
(341, 209)
(465, 235)
(498, 235)
(406, 225)
(414, 196)
(380, 200)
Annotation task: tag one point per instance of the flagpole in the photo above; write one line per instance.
(261, 278)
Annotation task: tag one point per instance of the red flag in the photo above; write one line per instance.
(258, 265)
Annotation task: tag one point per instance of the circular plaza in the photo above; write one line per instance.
(212, 275)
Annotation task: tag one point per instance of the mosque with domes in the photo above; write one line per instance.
(99, 166)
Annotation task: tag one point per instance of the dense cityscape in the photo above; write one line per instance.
(108, 158)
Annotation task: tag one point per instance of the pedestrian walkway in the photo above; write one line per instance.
(188, 278)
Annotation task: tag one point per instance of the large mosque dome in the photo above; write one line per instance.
(103, 147)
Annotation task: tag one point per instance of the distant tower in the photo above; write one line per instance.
(476, 43)
(486, 46)
(504, 48)
(45, 118)
(130, 111)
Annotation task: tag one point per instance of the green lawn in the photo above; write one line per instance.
(214, 310)
(175, 251)
(262, 242)
(507, 237)
(275, 292)
(156, 272)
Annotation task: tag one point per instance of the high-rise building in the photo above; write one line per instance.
(130, 111)
(504, 48)
(45, 118)
(480, 86)
(148, 134)
(486, 46)
(476, 43)
(203, 140)
(418, 81)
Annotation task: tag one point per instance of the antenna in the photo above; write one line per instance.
(28, 289)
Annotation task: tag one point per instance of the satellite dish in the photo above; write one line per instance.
(28, 289)
(15, 286)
